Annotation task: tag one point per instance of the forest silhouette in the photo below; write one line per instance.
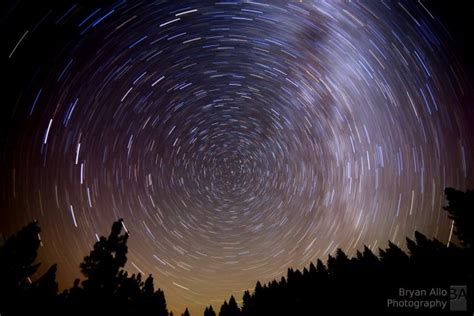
(366, 283)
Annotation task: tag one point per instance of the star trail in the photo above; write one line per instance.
(235, 139)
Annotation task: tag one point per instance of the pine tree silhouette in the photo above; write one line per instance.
(339, 264)
(224, 309)
(102, 266)
(246, 304)
(186, 312)
(17, 261)
(152, 300)
(209, 311)
(364, 282)
(461, 210)
(108, 287)
(358, 284)
(18, 293)
(232, 308)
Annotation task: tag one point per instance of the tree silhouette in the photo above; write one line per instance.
(232, 308)
(102, 266)
(108, 287)
(364, 282)
(152, 300)
(186, 312)
(18, 293)
(224, 309)
(461, 211)
(209, 311)
(393, 256)
(361, 283)
(338, 265)
(246, 303)
(17, 261)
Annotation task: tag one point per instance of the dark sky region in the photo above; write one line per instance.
(235, 139)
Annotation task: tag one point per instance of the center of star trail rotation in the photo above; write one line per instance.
(239, 139)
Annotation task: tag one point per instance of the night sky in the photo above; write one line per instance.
(235, 139)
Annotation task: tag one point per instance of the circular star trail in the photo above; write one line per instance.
(235, 139)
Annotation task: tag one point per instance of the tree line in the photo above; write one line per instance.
(364, 282)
